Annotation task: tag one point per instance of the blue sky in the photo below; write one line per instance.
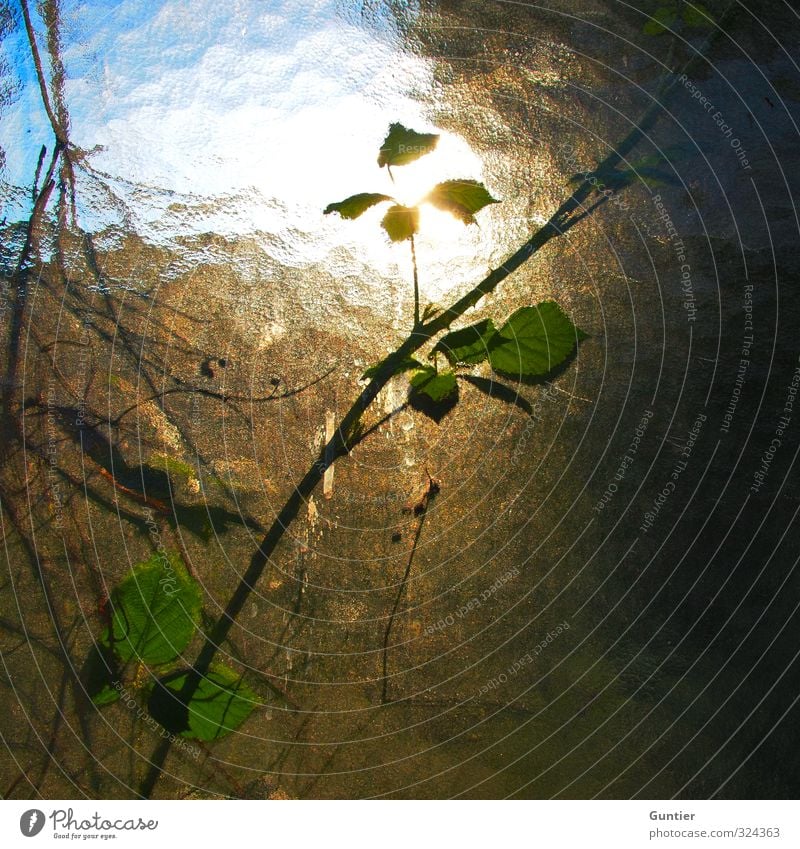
(237, 118)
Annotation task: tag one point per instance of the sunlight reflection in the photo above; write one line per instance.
(246, 121)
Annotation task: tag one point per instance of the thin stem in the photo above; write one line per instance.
(20, 279)
(35, 191)
(416, 281)
(421, 509)
(338, 445)
(400, 592)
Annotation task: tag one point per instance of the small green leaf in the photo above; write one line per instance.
(356, 205)
(219, 705)
(401, 222)
(436, 385)
(105, 696)
(155, 611)
(470, 345)
(402, 145)
(404, 365)
(172, 466)
(697, 15)
(461, 198)
(533, 341)
(664, 18)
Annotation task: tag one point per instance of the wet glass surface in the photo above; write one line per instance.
(601, 598)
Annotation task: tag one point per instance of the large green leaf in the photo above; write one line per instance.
(155, 611)
(402, 145)
(469, 346)
(401, 222)
(356, 205)
(219, 705)
(461, 198)
(436, 385)
(533, 341)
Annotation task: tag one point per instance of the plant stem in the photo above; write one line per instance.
(390, 623)
(337, 446)
(416, 281)
(421, 508)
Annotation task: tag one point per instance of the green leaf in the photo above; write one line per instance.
(404, 365)
(461, 198)
(664, 18)
(219, 705)
(172, 466)
(401, 222)
(697, 15)
(402, 146)
(105, 696)
(155, 611)
(436, 385)
(356, 205)
(533, 341)
(470, 345)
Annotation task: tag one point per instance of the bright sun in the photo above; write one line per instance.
(448, 251)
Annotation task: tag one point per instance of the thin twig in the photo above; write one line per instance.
(37, 61)
(420, 509)
(338, 446)
(20, 279)
(37, 174)
(416, 280)
(557, 225)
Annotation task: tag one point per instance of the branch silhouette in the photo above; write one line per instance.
(571, 212)
(338, 445)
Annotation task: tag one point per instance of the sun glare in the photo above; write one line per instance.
(448, 251)
(272, 156)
